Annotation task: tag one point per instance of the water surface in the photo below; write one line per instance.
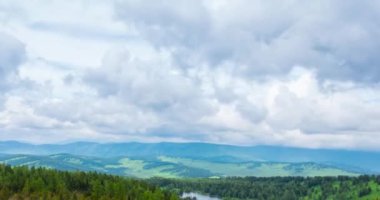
(199, 196)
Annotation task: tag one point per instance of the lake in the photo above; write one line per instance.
(198, 196)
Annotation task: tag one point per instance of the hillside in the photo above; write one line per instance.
(173, 167)
(40, 183)
(358, 161)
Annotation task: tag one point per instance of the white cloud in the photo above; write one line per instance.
(241, 72)
(264, 37)
(12, 53)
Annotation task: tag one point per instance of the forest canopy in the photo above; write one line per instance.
(285, 188)
(40, 183)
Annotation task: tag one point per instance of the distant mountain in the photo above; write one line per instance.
(172, 167)
(358, 161)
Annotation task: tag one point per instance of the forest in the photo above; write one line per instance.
(285, 188)
(40, 183)
(24, 182)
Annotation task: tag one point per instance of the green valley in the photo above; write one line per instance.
(174, 167)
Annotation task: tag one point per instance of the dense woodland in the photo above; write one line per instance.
(39, 183)
(285, 188)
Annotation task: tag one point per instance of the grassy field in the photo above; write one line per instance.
(260, 169)
(354, 191)
(137, 168)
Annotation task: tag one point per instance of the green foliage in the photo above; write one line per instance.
(292, 188)
(39, 183)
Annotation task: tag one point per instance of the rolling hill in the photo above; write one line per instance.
(183, 158)
(173, 167)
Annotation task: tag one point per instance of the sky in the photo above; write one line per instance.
(243, 72)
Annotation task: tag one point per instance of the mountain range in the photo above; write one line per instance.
(191, 159)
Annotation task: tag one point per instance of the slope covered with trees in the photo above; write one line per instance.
(39, 183)
(365, 162)
(285, 188)
(173, 167)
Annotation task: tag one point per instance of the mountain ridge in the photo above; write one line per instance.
(172, 167)
(366, 161)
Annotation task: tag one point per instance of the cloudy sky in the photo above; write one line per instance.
(295, 73)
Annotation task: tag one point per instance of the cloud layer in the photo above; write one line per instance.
(262, 37)
(12, 53)
(241, 72)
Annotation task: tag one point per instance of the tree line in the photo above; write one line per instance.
(285, 188)
(40, 184)
(18, 183)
